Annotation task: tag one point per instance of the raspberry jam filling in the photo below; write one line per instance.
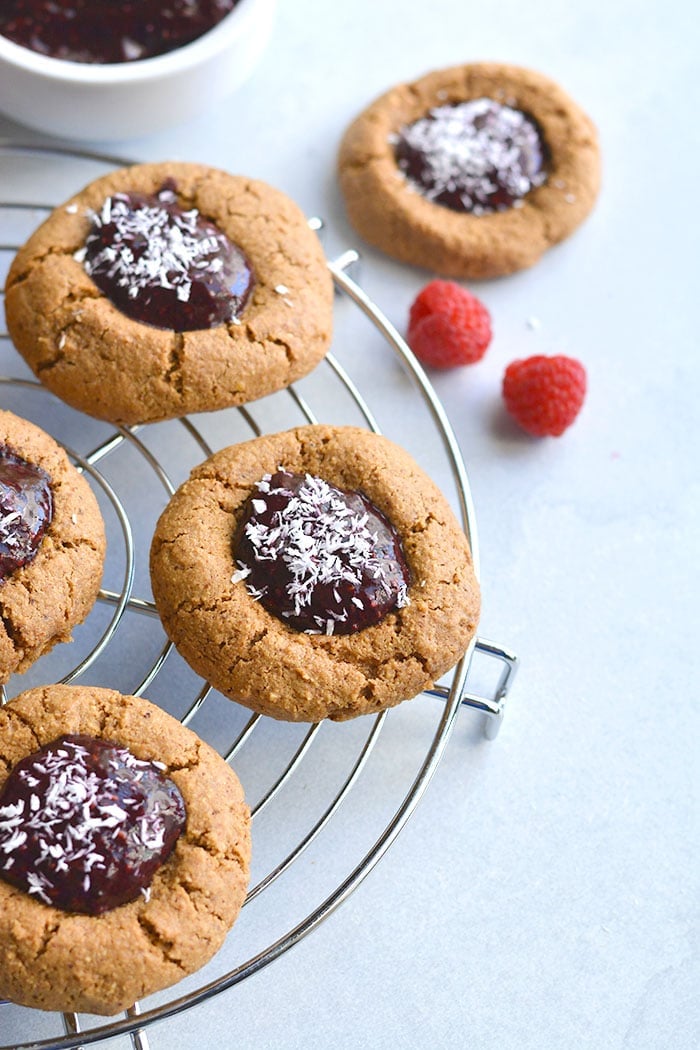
(324, 560)
(110, 30)
(164, 266)
(477, 156)
(84, 825)
(26, 510)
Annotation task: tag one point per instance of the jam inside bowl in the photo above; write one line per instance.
(109, 100)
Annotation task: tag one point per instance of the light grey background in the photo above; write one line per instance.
(545, 893)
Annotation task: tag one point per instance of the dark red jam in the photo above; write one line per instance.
(164, 266)
(108, 30)
(84, 825)
(324, 560)
(477, 156)
(26, 510)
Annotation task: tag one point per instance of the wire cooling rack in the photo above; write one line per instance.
(327, 800)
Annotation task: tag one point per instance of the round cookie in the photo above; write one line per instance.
(42, 601)
(389, 213)
(103, 362)
(254, 657)
(56, 960)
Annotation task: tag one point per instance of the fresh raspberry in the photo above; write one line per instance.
(448, 326)
(544, 394)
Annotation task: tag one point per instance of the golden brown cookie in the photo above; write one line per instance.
(112, 366)
(43, 599)
(389, 212)
(52, 959)
(252, 655)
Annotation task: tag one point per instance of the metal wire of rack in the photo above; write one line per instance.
(120, 605)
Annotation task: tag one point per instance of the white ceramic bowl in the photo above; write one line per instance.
(125, 100)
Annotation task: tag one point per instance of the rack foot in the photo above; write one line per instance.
(492, 707)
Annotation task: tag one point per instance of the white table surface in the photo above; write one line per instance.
(544, 895)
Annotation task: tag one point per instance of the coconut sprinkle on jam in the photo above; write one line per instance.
(84, 824)
(322, 559)
(26, 510)
(477, 156)
(163, 265)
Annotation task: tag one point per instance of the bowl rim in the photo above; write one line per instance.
(211, 43)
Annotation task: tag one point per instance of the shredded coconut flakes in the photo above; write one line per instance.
(464, 146)
(174, 246)
(321, 541)
(75, 792)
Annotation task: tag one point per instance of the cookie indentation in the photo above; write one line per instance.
(164, 265)
(477, 156)
(26, 510)
(84, 824)
(322, 559)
